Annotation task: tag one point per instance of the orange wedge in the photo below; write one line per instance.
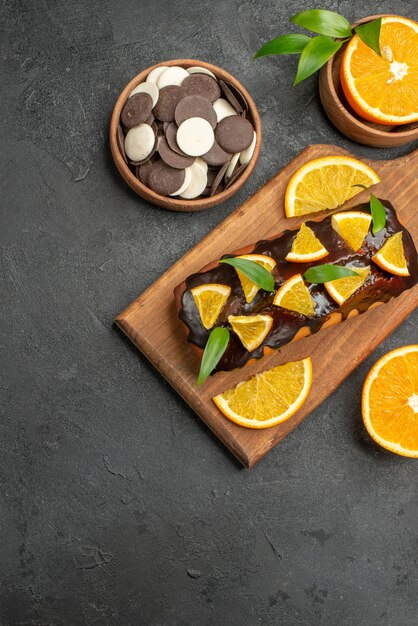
(306, 247)
(390, 401)
(384, 89)
(391, 256)
(326, 183)
(209, 300)
(251, 329)
(352, 226)
(341, 289)
(294, 295)
(249, 288)
(268, 398)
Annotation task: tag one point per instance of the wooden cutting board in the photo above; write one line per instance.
(151, 320)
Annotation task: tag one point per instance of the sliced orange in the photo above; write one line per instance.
(251, 329)
(342, 288)
(326, 183)
(268, 398)
(384, 89)
(249, 288)
(352, 226)
(390, 401)
(294, 295)
(209, 300)
(391, 256)
(306, 247)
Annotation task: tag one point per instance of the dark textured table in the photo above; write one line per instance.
(118, 507)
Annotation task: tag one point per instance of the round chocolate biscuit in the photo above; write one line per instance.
(171, 136)
(201, 85)
(173, 159)
(187, 181)
(150, 119)
(164, 179)
(143, 171)
(234, 133)
(169, 98)
(195, 106)
(234, 96)
(216, 156)
(136, 110)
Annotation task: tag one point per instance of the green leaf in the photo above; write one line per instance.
(369, 33)
(377, 210)
(323, 22)
(315, 55)
(293, 43)
(214, 349)
(255, 272)
(323, 273)
(378, 213)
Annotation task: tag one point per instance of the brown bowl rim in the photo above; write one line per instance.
(408, 135)
(168, 202)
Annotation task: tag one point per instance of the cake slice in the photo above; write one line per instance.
(378, 286)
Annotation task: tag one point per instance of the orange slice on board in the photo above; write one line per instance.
(251, 329)
(294, 295)
(352, 226)
(341, 289)
(391, 256)
(306, 247)
(390, 401)
(249, 288)
(209, 300)
(268, 398)
(326, 183)
(384, 89)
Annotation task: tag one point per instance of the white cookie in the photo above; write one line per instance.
(154, 74)
(200, 70)
(172, 76)
(198, 183)
(139, 142)
(195, 136)
(246, 155)
(150, 88)
(223, 109)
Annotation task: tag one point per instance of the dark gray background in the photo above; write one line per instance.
(117, 504)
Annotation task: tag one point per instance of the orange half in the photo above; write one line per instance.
(390, 401)
(384, 89)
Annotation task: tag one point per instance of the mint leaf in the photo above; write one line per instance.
(214, 349)
(293, 43)
(323, 22)
(369, 33)
(255, 272)
(315, 55)
(323, 273)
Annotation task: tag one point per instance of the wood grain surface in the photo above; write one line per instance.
(152, 324)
